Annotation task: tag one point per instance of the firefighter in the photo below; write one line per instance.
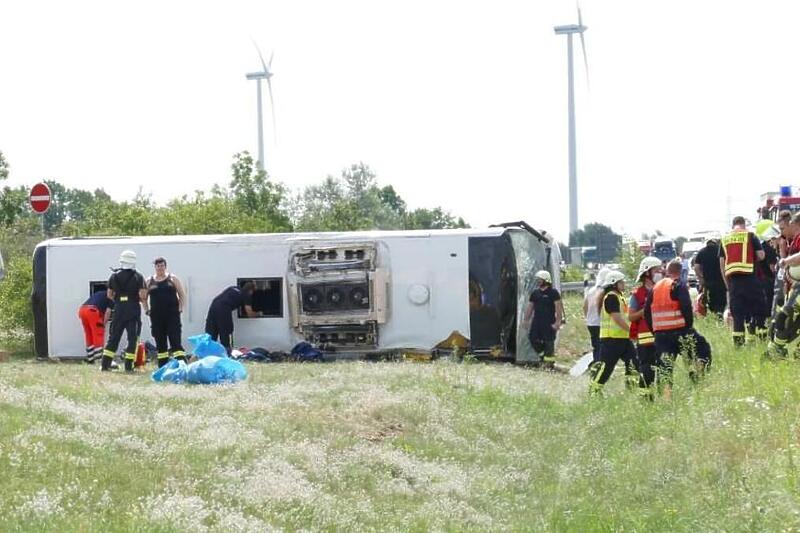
(591, 313)
(127, 289)
(784, 315)
(614, 332)
(740, 250)
(668, 313)
(544, 312)
(219, 322)
(94, 315)
(650, 273)
(709, 277)
(167, 301)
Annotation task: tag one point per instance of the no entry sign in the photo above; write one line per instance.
(40, 198)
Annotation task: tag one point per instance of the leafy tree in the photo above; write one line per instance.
(679, 243)
(629, 258)
(253, 191)
(600, 236)
(3, 167)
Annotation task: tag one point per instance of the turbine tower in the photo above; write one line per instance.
(265, 74)
(569, 31)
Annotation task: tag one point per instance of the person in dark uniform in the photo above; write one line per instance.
(668, 313)
(126, 288)
(615, 343)
(544, 312)
(765, 272)
(709, 277)
(739, 253)
(167, 301)
(219, 321)
(94, 315)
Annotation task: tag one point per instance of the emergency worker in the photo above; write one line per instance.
(94, 315)
(668, 312)
(709, 277)
(739, 252)
(126, 288)
(219, 321)
(167, 301)
(591, 312)
(544, 312)
(766, 269)
(650, 273)
(784, 315)
(614, 332)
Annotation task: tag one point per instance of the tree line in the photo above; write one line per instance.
(250, 202)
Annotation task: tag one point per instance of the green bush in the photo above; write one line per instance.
(16, 318)
(572, 273)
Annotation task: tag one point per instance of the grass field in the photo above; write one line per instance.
(401, 446)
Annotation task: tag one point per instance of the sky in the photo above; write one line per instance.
(690, 113)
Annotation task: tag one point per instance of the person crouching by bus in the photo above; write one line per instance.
(614, 332)
(650, 273)
(126, 288)
(668, 312)
(94, 315)
(219, 321)
(544, 311)
(167, 301)
(591, 314)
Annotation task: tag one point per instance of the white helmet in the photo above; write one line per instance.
(646, 264)
(127, 259)
(601, 277)
(613, 277)
(544, 275)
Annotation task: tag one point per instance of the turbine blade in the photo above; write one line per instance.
(585, 60)
(580, 19)
(270, 59)
(272, 107)
(263, 64)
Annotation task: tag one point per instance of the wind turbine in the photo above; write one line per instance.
(569, 31)
(265, 74)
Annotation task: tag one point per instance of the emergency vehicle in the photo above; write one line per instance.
(773, 203)
(361, 293)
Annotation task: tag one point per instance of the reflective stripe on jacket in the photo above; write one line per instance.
(666, 311)
(643, 334)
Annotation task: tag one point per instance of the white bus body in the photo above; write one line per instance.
(356, 292)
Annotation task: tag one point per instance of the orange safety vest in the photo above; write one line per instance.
(666, 311)
(739, 252)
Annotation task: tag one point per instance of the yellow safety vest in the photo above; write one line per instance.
(608, 328)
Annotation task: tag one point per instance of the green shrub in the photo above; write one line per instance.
(16, 318)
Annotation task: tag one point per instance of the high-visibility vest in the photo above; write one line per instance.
(739, 252)
(608, 328)
(643, 334)
(666, 311)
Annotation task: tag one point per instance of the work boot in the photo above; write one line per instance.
(129, 366)
(106, 363)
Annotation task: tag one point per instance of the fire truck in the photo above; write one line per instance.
(773, 203)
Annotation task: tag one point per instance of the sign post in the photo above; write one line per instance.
(39, 199)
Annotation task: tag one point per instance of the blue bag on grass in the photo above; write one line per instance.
(306, 352)
(173, 372)
(203, 346)
(213, 369)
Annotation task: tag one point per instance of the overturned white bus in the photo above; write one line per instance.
(367, 293)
